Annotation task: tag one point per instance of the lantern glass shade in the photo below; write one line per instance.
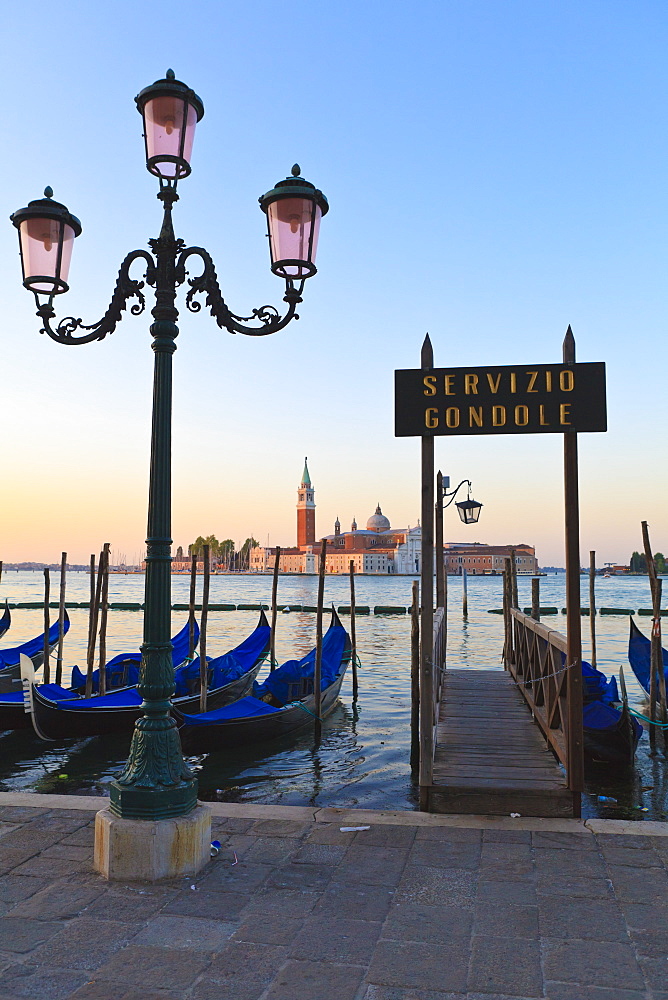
(469, 511)
(46, 252)
(294, 226)
(169, 124)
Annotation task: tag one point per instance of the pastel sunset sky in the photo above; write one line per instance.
(496, 170)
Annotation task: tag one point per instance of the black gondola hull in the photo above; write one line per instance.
(258, 729)
(10, 677)
(615, 745)
(13, 716)
(70, 722)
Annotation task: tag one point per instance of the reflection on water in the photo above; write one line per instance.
(363, 757)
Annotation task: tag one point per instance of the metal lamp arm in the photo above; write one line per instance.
(453, 494)
(126, 288)
(206, 283)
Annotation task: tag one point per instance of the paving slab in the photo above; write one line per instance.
(417, 907)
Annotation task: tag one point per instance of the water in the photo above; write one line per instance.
(363, 757)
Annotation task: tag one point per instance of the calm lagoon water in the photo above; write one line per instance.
(363, 757)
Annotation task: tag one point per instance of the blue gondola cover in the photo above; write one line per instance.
(287, 682)
(226, 668)
(117, 673)
(10, 657)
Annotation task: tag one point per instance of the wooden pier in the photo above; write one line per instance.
(490, 757)
(501, 741)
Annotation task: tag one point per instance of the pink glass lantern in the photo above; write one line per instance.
(294, 209)
(170, 111)
(46, 235)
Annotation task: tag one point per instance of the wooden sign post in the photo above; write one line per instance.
(573, 618)
(427, 591)
(564, 398)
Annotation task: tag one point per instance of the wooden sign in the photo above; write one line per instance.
(512, 399)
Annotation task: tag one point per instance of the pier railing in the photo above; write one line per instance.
(536, 658)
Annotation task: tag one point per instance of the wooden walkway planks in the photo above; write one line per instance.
(490, 757)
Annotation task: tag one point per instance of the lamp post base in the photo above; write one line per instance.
(129, 849)
(163, 802)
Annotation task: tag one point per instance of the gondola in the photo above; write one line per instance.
(5, 621)
(640, 656)
(231, 676)
(280, 706)
(610, 732)
(10, 671)
(122, 671)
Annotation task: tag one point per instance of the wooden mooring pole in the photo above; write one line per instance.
(427, 601)
(507, 618)
(573, 619)
(535, 598)
(92, 637)
(104, 611)
(317, 673)
(592, 606)
(353, 628)
(274, 610)
(465, 594)
(191, 606)
(92, 599)
(657, 688)
(203, 668)
(415, 677)
(61, 618)
(513, 579)
(46, 670)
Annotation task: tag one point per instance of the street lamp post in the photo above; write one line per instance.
(156, 782)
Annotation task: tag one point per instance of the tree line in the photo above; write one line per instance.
(638, 562)
(223, 553)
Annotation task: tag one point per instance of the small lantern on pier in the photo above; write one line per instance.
(469, 510)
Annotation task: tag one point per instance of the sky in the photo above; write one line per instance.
(496, 171)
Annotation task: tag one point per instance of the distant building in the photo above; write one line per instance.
(480, 559)
(300, 558)
(378, 549)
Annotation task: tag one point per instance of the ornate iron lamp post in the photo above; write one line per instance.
(156, 782)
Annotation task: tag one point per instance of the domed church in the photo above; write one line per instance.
(378, 548)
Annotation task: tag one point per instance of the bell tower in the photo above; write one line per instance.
(305, 511)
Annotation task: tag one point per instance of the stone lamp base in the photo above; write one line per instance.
(127, 849)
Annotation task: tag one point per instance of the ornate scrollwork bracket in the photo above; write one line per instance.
(268, 317)
(126, 288)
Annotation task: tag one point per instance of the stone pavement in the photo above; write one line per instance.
(415, 908)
